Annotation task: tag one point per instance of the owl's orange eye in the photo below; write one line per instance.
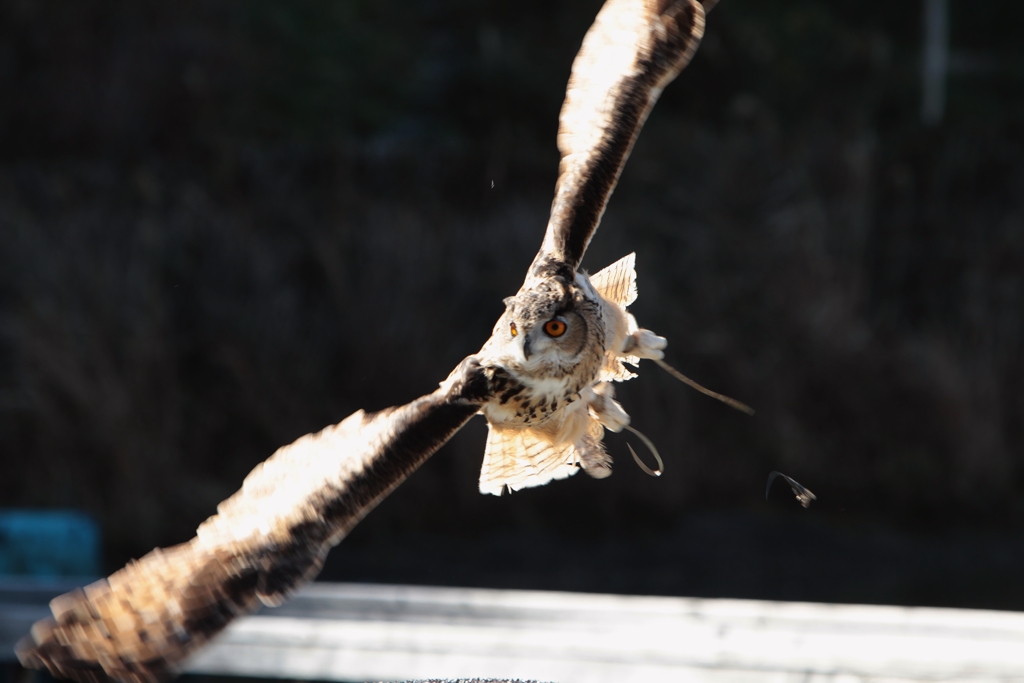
(513, 329)
(555, 328)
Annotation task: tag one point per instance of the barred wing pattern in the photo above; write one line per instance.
(522, 458)
(265, 541)
(634, 49)
(518, 458)
(617, 283)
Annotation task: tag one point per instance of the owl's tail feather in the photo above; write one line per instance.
(731, 402)
(654, 451)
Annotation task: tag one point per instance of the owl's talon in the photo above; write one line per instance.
(645, 344)
(606, 409)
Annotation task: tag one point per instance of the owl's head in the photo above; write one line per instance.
(549, 324)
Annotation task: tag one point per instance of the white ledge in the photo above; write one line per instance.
(363, 632)
(374, 632)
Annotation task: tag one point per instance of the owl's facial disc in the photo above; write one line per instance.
(541, 323)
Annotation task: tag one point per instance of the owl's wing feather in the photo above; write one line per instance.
(522, 458)
(263, 543)
(617, 282)
(634, 49)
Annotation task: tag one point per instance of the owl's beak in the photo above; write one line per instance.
(526, 348)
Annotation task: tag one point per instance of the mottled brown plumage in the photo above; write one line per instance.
(547, 402)
(263, 543)
(634, 49)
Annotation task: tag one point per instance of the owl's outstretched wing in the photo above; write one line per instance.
(263, 543)
(634, 49)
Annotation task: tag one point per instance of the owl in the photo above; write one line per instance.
(565, 335)
(551, 360)
(543, 380)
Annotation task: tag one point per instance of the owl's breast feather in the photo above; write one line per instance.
(530, 400)
(558, 419)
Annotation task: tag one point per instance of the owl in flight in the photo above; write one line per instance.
(543, 381)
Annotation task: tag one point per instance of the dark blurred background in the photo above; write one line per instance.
(226, 224)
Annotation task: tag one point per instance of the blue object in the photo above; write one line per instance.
(48, 543)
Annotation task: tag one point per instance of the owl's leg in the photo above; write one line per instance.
(644, 344)
(604, 407)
